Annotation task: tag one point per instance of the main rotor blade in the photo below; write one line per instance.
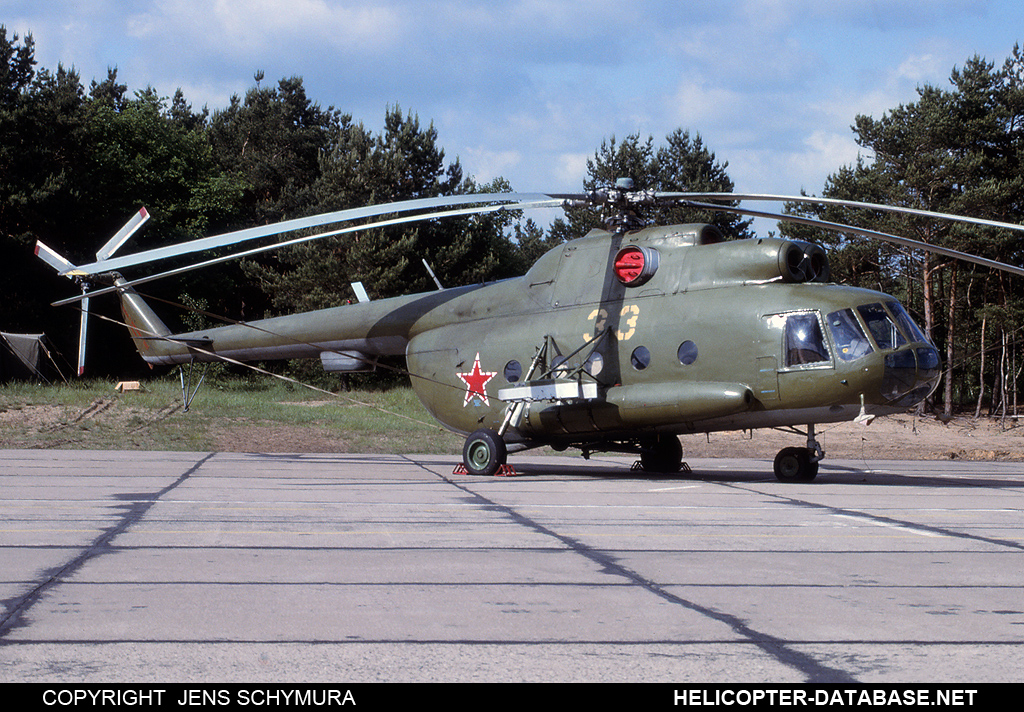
(477, 210)
(841, 203)
(233, 238)
(884, 236)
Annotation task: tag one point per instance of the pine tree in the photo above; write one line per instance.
(682, 164)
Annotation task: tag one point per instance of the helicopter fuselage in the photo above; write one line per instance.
(614, 340)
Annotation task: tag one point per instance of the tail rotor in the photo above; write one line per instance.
(67, 269)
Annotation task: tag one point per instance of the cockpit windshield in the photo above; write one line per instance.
(907, 324)
(890, 325)
(882, 327)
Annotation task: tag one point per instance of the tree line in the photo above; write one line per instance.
(77, 161)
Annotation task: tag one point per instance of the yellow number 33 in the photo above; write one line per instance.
(631, 313)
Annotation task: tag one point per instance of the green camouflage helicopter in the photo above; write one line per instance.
(619, 341)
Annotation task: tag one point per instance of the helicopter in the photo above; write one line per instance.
(619, 341)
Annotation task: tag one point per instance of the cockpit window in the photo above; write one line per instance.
(849, 338)
(883, 329)
(907, 324)
(804, 341)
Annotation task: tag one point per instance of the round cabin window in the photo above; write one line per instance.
(641, 358)
(687, 353)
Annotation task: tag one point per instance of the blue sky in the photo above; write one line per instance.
(528, 89)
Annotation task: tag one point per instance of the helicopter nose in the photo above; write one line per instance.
(911, 374)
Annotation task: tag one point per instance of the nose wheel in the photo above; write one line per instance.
(793, 464)
(799, 464)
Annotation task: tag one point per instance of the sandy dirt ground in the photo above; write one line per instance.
(893, 437)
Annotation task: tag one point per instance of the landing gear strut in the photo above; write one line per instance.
(484, 452)
(799, 464)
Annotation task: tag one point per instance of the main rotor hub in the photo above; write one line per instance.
(622, 205)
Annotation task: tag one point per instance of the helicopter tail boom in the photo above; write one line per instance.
(346, 338)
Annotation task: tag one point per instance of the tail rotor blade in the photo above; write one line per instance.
(72, 271)
(83, 333)
(114, 243)
(52, 258)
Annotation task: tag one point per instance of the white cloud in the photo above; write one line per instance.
(569, 170)
(922, 68)
(824, 154)
(489, 164)
(250, 27)
(695, 104)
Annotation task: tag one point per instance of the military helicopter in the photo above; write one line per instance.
(619, 341)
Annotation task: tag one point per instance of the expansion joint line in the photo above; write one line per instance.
(16, 608)
(778, 648)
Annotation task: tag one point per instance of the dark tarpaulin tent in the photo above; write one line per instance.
(27, 357)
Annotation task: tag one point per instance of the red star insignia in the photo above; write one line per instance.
(476, 381)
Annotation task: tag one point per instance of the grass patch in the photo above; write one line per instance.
(251, 414)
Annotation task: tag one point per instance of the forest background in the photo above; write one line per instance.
(76, 162)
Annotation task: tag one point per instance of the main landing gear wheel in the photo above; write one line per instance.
(662, 455)
(795, 464)
(484, 452)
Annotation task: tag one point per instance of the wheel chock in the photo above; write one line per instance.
(503, 471)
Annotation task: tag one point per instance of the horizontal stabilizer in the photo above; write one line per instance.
(348, 362)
